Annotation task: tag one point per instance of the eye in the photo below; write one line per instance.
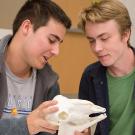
(104, 38)
(92, 41)
(52, 40)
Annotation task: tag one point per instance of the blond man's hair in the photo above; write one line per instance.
(104, 10)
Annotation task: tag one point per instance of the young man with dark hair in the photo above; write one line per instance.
(26, 78)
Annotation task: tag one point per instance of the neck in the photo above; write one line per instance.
(124, 66)
(15, 62)
(20, 72)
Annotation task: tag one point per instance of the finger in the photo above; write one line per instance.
(47, 130)
(47, 104)
(47, 125)
(85, 132)
(50, 110)
(78, 133)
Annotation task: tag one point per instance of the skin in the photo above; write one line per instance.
(32, 49)
(36, 120)
(110, 47)
(85, 132)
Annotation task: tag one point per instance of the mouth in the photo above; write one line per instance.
(46, 59)
(103, 56)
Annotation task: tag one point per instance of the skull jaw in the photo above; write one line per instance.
(69, 128)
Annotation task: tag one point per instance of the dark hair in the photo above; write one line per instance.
(39, 12)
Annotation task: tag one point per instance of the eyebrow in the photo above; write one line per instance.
(100, 35)
(57, 37)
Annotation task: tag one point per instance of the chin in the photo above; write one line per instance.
(39, 67)
(106, 64)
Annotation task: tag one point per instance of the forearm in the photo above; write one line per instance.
(14, 126)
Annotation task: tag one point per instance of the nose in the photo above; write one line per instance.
(98, 46)
(55, 49)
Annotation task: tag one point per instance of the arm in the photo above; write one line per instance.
(53, 91)
(36, 120)
(86, 88)
(14, 126)
(34, 123)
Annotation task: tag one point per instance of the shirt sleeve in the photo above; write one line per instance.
(14, 126)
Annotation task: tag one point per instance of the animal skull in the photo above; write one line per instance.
(74, 114)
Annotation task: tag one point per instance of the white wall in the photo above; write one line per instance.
(130, 5)
(4, 32)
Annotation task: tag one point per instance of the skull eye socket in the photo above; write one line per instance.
(63, 115)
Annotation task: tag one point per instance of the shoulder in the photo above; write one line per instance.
(94, 69)
(48, 73)
(3, 42)
(48, 68)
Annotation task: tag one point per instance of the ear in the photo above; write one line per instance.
(126, 35)
(26, 27)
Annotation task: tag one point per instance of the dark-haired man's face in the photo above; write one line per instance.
(43, 44)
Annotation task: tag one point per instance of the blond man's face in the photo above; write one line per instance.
(106, 41)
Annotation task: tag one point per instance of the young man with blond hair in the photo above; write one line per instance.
(109, 82)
